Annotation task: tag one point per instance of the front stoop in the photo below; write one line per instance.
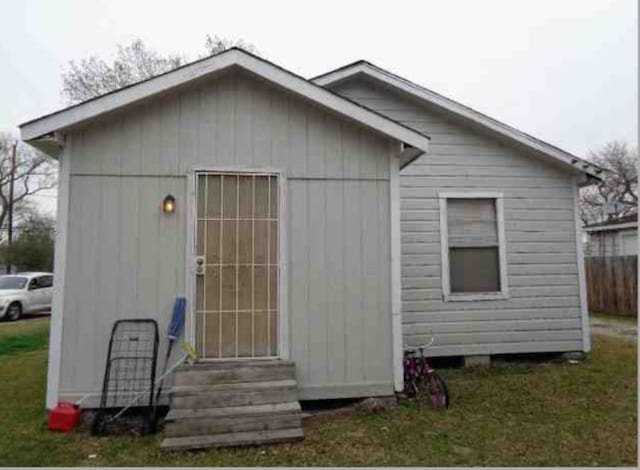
(233, 403)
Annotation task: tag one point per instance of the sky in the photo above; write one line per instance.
(564, 71)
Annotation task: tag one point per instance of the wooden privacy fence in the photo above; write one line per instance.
(612, 284)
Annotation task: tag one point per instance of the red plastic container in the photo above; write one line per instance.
(64, 417)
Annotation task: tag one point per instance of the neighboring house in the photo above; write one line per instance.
(286, 237)
(613, 238)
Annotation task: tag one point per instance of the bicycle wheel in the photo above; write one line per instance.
(436, 391)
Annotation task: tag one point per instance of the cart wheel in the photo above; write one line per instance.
(98, 424)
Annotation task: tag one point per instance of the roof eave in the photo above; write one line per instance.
(408, 155)
(83, 112)
(50, 144)
(451, 106)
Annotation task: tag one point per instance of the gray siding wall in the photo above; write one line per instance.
(543, 311)
(125, 259)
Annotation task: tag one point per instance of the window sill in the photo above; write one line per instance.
(476, 297)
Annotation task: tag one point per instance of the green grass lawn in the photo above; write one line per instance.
(508, 415)
(24, 336)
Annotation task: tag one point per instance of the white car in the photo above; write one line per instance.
(25, 293)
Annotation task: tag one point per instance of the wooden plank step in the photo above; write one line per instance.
(236, 364)
(231, 424)
(202, 397)
(205, 376)
(211, 388)
(271, 409)
(232, 439)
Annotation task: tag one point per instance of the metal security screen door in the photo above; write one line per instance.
(237, 285)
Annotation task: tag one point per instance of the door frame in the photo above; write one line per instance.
(190, 268)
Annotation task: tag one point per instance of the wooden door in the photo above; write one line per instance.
(237, 291)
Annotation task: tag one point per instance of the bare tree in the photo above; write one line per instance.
(133, 63)
(34, 172)
(617, 195)
(216, 44)
(93, 76)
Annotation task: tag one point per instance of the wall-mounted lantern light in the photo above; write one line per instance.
(168, 204)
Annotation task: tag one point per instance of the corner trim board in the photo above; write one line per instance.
(60, 261)
(582, 279)
(396, 281)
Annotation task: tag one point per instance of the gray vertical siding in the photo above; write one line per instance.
(127, 260)
(339, 295)
(121, 263)
(543, 311)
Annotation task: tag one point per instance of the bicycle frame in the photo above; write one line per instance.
(421, 380)
(416, 367)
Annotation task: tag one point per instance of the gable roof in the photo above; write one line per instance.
(44, 127)
(364, 68)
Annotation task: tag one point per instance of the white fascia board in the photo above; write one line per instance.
(342, 73)
(460, 110)
(234, 57)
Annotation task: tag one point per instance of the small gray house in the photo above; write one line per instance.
(324, 222)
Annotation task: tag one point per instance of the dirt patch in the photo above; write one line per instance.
(613, 328)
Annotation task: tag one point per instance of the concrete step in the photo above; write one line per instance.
(270, 409)
(231, 424)
(234, 394)
(235, 372)
(232, 439)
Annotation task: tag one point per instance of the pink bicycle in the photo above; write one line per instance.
(421, 381)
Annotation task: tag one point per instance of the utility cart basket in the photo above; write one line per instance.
(127, 402)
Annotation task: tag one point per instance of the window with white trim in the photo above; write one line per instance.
(473, 246)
